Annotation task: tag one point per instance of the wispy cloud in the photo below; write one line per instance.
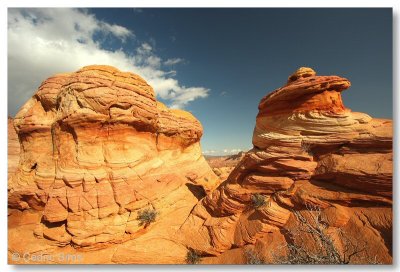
(43, 42)
(209, 152)
(233, 151)
(116, 30)
(173, 61)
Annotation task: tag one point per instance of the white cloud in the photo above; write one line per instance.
(173, 61)
(43, 42)
(187, 95)
(224, 152)
(118, 31)
(145, 48)
(232, 151)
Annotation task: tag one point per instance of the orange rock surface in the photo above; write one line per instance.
(309, 151)
(97, 150)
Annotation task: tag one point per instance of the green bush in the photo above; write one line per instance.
(192, 257)
(146, 217)
(258, 201)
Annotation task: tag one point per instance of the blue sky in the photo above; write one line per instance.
(216, 63)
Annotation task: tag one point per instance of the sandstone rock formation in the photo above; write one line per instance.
(309, 151)
(13, 148)
(97, 149)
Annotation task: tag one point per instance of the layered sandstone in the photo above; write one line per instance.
(310, 153)
(97, 149)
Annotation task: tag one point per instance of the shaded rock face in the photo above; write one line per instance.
(309, 151)
(96, 149)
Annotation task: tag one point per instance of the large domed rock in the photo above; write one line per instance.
(97, 150)
(311, 154)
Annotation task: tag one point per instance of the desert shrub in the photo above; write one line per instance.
(306, 147)
(252, 257)
(193, 257)
(258, 201)
(325, 251)
(146, 217)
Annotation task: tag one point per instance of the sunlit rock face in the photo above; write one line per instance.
(96, 149)
(309, 151)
